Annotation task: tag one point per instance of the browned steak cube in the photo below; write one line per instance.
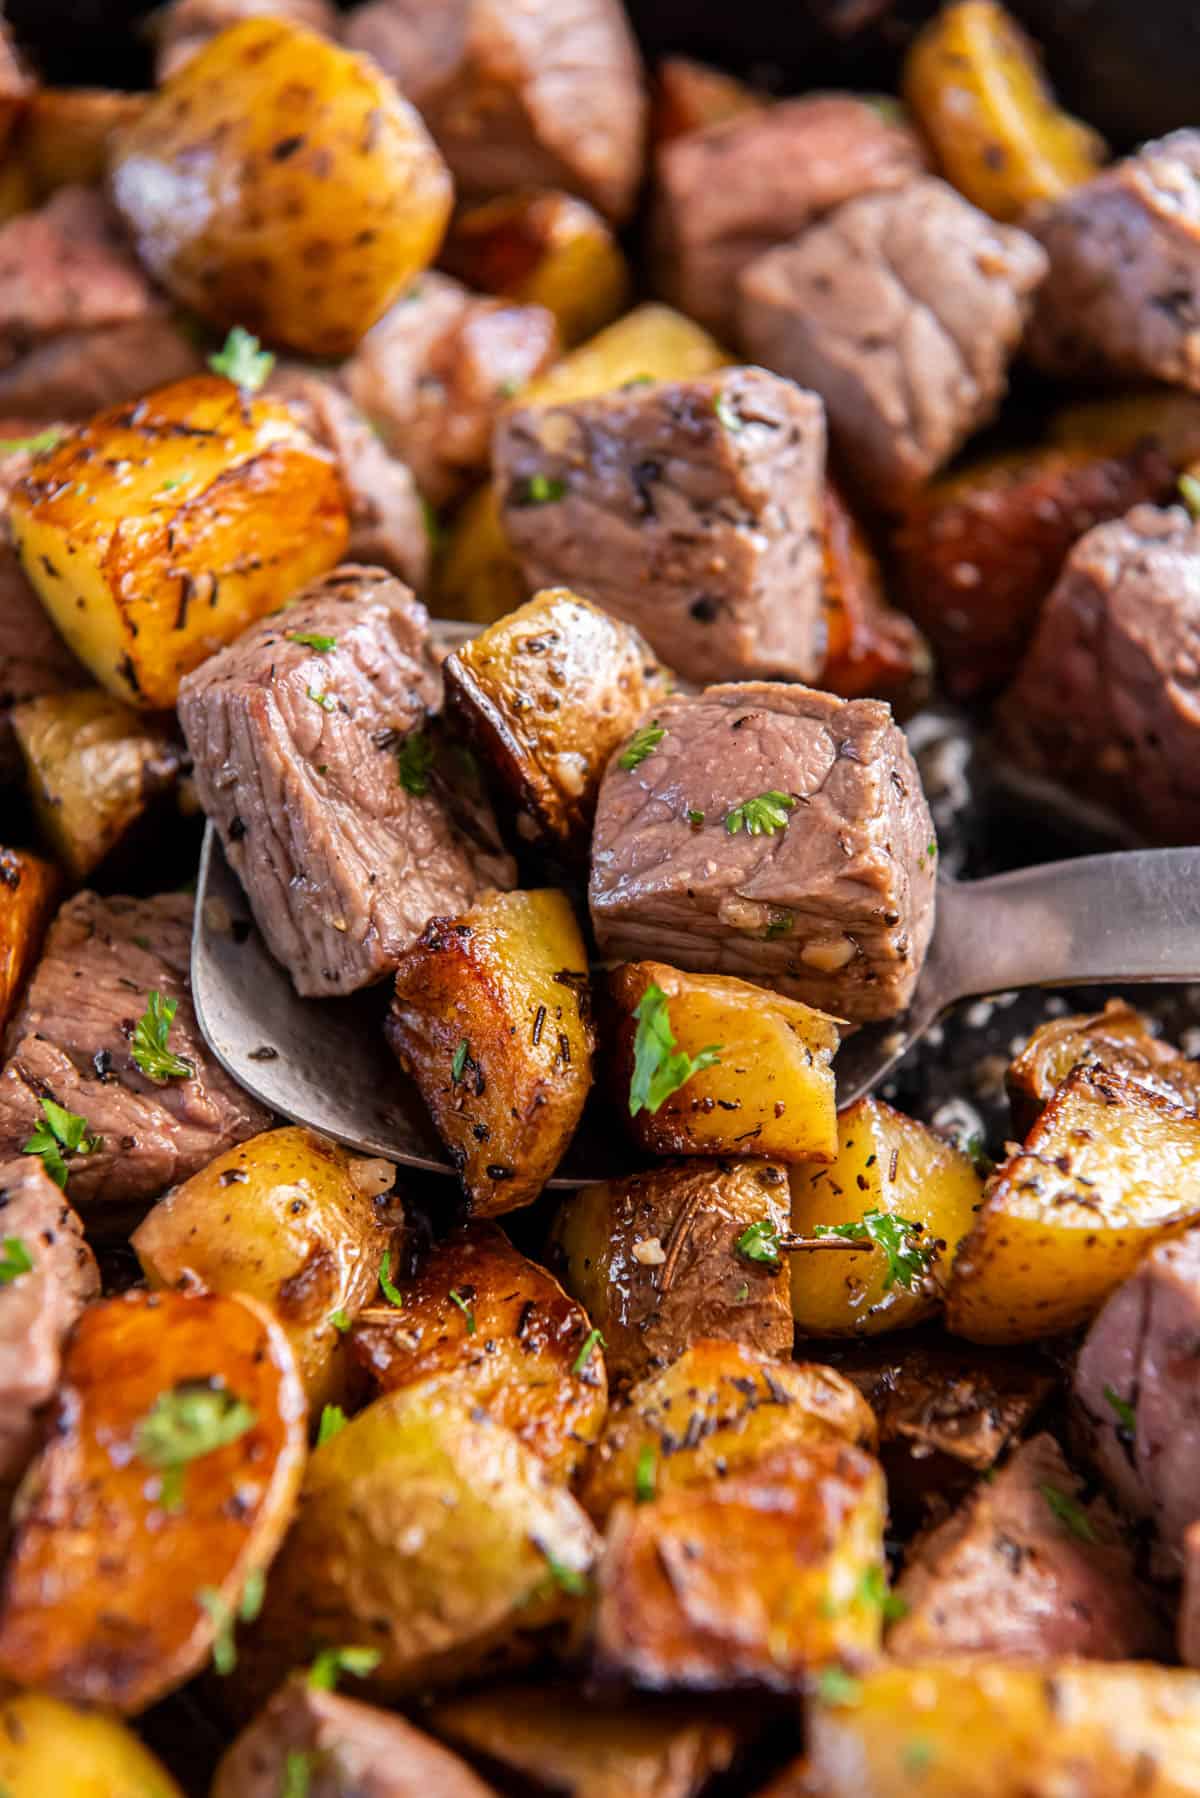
(313, 757)
(690, 509)
(725, 194)
(72, 1042)
(1105, 701)
(902, 311)
(1123, 292)
(774, 833)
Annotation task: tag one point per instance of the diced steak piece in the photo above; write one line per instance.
(434, 373)
(725, 194)
(1123, 293)
(775, 833)
(1188, 1626)
(39, 1308)
(387, 518)
(545, 94)
(312, 756)
(184, 26)
(33, 657)
(1107, 699)
(1025, 1571)
(691, 509)
(71, 1041)
(902, 311)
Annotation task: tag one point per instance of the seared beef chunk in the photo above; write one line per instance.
(545, 94)
(1025, 1570)
(182, 27)
(901, 310)
(72, 1042)
(1105, 701)
(39, 1308)
(33, 657)
(1123, 293)
(435, 371)
(690, 509)
(80, 325)
(725, 194)
(1137, 1392)
(775, 833)
(313, 758)
(1188, 1625)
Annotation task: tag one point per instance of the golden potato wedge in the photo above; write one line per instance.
(888, 1166)
(872, 651)
(689, 96)
(476, 575)
(546, 695)
(761, 1578)
(482, 1321)
(1108, 1170)
(1119, 1038)
(160, 529)
(167, 1481)
(490, 1017)
(94, 768)
(771, 1092)
(50, 1747)
(995, 1729)
(429, 1532)
(654, 1261)
(975, 84)
(28, 890)
(278, 182)
(541, 246)
(716, 1410)
(68, 133)
(294, 1220)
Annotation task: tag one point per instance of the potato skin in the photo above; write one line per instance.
(508, 979)
(294, 1220)
(28, 890)
(1117, 1037)
(47, 1746)
(278, 182)
(160, 529)
(100, 1597)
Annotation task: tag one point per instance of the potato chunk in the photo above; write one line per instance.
(490, 1017)
(1108, 1170)
(481, 1321)
(891, 1167)
(28, 889)
(771, 1092)
(47, 1746)
(159, 530)
(170, 1471)
(1118, 1038)
(294, 1220)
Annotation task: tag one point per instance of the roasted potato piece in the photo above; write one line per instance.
(483, 1322)
(1108, 1170)
(428, 1531)
(887, 1166)
(770, 1093)
(160, 529)
(278, 182)
(1119, 1038)
(476, 575)
(168, 1478)
(49, 1747)
(688, 96)
(94, 768)
(68, 133)
(294, 1220)
(490, 1017)
(974, 81)
(28, 889)
(716, 1410)
(545, 248)
(999, 1730)
(546, 695)
(871, 650)
(654, 1261)
(761, 1578)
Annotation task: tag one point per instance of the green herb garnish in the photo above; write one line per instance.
(16, 1261)
(659, 1069)
(1069, 1514)
(415, 760)
(539, 490)
(569, 1578)
(333, 1419)
(224, 1651)
(645, 1475)
(873, 1590)
(836, 1686)
(761, 817)
(389, 1292)
(60, 1130)
(297, 1775)
(907, 1257)
(312, 640)
(149, 1044)
(341, 1321)
(326, 703)
(456, 1298)
(38, 445)
(760, 1242)
(591, 1342)
(331, 1663)
(193, 1419)
(1126, 1413)
(459, 1063)
(781, 922)
(242, 360)
(723, 407)
(695, 819)
(1189, 493)
(917, 1755)
(642, 743)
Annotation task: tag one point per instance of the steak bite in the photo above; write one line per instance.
(1105, 701)
(72, 1042)
(775, 833)
(314, 760)
(691, 509)
(902, 310)
(1123, 293)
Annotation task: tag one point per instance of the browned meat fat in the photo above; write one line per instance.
(775, 833)
(690, 509)
(902, 310)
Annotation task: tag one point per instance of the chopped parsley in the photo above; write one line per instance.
(1072, 1516)
(389, 1292)
(193, 1419)
(333, 1419)
(149, 1044)
(326, 703)
(38, 445)
(1125, 1412)
(459, 1063)
(761, 817)
(60, 1130)
(312, 640)
(1189, 493)
(569, 1578)
(760, 1242)
(170, 486)
(224, 1652)
(432, 523)
(642, 743)
(898, 1237)
(15, 1261)
(659, 1069)
(645, 1474)
(780, 923)
(695, 819)
(415, 760)
(836, 1686)
(591, 1342)
(538, 490)
(242, 360)
(341, 1321)
(917, 1755)
(456, 1298)
(331, 1663)
(873, 1590)
(729, 419)
(297, 1775)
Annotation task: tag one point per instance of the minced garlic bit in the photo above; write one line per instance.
(649, 1252)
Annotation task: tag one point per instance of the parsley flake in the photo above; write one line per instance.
(331, 1663)
(836, 1686)
(1072, 1516)
(456, 1298)
(780, 923)
(38, 445)
(642, 743)
(415, 759)
(60, 1129)
(569, 1578)
(591, 1342)
(760, 1242)
(695, 819)
(389, 1291)
(917, 1755)
(16, 1261)
(1125, 1412)
(1189, 493)
(341, 1321)
(333, 1419)
(459, 1063)
(645, 1474)
(326, 703)
(312, 640)
(224, 1650)
(873, 1590)
(729, 419)
(659, 1069)
(898, 1237)
(538, 490)
(242, 360)
(189, 1421)
(761, 817)
(149, 1044)
(297, 1775)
